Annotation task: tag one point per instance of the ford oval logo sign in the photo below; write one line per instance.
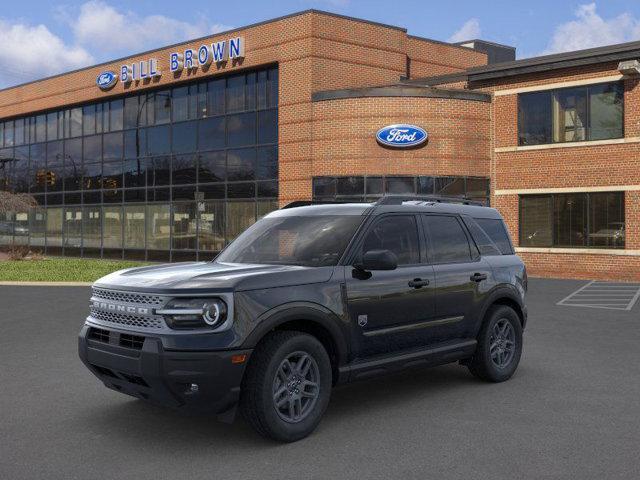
(106, 80)
(401, 136)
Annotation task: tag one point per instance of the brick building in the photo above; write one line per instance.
(169, 154)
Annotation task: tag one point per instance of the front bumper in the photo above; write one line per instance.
(138, 365)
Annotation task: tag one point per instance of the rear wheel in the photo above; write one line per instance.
(499, 345)
(287, 386)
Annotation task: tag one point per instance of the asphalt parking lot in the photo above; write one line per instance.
(571, 411)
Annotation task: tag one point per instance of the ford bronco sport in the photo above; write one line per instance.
(310, 297)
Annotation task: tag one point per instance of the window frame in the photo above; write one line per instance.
(588, 196)
(552, 93)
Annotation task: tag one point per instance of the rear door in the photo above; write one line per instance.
(462, 277)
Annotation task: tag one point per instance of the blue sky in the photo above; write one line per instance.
(43, 37)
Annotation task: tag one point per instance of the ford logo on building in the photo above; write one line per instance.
(401, 136)
(106, 80)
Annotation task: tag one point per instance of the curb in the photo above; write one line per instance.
(47, 284)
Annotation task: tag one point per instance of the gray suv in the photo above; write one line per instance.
(308, 297)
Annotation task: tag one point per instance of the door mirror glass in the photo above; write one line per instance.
(379, 260)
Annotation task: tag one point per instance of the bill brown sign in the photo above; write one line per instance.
(189, 59)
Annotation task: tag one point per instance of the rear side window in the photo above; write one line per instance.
(486, 246)
(448, 242)
(398, 234)
(496, 231)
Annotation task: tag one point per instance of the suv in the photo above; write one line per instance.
(307, 298)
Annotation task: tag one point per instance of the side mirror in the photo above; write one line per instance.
(378, 260)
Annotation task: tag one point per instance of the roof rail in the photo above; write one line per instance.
(307, 203)
(400, 199)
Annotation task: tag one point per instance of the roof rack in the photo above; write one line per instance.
(307, 203)
(400, 199)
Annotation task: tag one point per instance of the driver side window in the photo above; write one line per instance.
(398, 234)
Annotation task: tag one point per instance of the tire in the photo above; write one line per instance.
(277, 370)
(499, 364)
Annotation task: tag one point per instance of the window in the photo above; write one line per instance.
(241, 129)
(112, 234)
(37, 227)
(107, 171)
(594, 220)
(92, 227)
(350, 186)
(134, 227)
(448, 242)
(372, 188)
(482, 240)
(211, 227)
(397, 234)
(211, 133)
(495, 230)
(593, 112)
(314, 241)
(606, 106)
(159, 140)
(184, 226)
(400, 185)
(158, 227)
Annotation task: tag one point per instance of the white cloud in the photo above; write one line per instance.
(28, 52)
(469, 31)
(105, 29)
(589, 29)
(98, 32)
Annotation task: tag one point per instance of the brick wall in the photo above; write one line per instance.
(430, 58)
(344, 137)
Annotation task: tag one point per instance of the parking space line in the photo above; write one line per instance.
(612, 296)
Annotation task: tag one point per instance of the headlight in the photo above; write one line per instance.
(190, 313)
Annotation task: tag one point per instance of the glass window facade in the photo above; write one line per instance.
(594, 112)
(371, 188)
(161, 175)
(573, 220)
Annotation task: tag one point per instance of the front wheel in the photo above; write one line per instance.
(287, 386)
(499, 345)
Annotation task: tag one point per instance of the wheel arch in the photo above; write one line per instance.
(312, 319)
(507, 298)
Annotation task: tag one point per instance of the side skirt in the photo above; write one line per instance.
(447, 352)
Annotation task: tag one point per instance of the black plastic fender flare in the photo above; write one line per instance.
(306, 312)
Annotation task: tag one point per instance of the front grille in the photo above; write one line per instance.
(127, 320)
(99, 335)
(131, 341)
(125, 297)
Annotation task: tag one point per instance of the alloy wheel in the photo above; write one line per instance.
(296, 387)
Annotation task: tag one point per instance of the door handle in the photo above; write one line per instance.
(418, 283)
(478, 277)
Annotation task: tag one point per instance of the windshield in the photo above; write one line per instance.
(313, 241)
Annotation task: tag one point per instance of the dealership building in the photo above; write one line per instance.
(169, 154)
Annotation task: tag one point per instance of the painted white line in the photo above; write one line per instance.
(602, 295)
(579, 290)
(633, 300)
(595, 306)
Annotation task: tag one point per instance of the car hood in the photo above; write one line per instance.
(204, 276)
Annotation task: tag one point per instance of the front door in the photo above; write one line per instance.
(389, 310)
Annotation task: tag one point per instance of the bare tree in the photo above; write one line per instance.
(16, 202)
